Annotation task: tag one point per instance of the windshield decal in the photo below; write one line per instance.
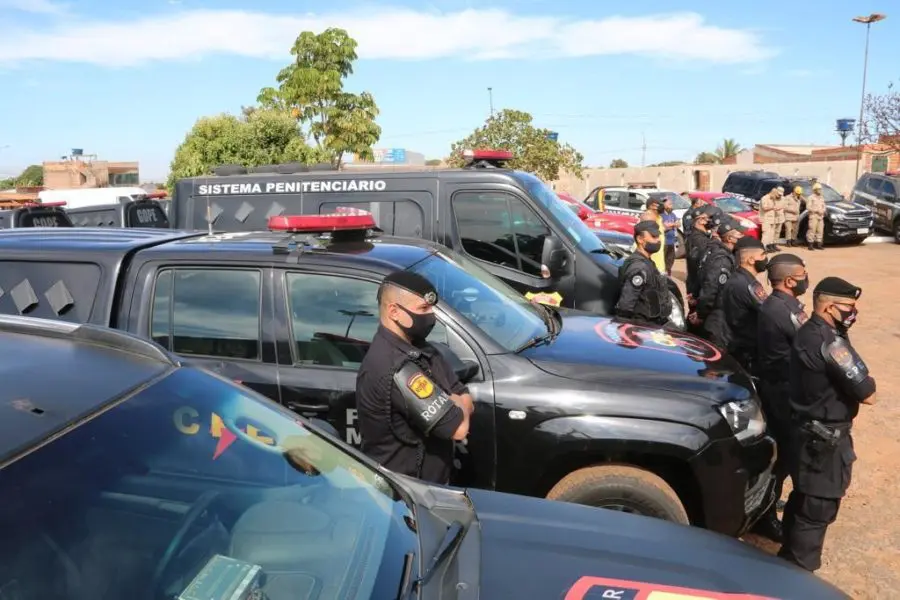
(187, 421)
(550, 299)
(630, 335)
(621, 589)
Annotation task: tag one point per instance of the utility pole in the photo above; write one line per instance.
(491, 99)
(643, 150)
(873, 18)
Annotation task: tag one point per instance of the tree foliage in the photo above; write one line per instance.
(668, 163)
(881, 121)
(727, 149)
(618, 163)
(311, 90)
(533, 149)
(258, 137)
(706, 158)
(433, 162)
(32, 176)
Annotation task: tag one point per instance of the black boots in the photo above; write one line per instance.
(819, 246)
(769, 526)
(814, 246)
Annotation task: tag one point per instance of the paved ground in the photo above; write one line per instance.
(862, 551)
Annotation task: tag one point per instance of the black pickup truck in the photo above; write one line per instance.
(143, 212)
(34, 215)
(569, 405)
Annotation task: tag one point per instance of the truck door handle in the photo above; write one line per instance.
(300, 407)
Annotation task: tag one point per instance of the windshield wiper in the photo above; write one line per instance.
(449, 543)
(549, 316)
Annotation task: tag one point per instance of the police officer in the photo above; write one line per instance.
(645, 291)
(780, 317)
(695, 246)
(696, 205)
(742, 298)
(411, 404)
(792, 204)
(768, 217)
(815, 221)
(715, 269)
(829, 381)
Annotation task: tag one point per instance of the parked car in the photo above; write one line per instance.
(740, 210)
(632, 201)
(879, 193)
(596, 219)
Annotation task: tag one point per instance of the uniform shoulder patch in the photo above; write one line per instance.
(637, 280)
(840, 355)
(420, 385)
(723, 277)
(758, 291)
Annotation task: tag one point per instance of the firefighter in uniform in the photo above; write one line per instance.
(815, 221)
(780, 317)
(779, 218)
(715, 269)
(645, 293)
(742, 298)
(792, 204)
(767, 218)
(412, 406)
(829, 382)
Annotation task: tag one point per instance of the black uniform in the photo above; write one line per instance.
(695, 246)
(715, 269)
(645, 291)
(742, 299)
(829, 380)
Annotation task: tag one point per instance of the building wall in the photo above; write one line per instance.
(70, 174)
(840, 174)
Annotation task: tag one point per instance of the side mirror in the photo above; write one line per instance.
(325, 426)
(465, 370)
(553, 258)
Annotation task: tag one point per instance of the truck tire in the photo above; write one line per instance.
(626, 489)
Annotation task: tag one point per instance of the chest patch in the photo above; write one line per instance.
(420, 385)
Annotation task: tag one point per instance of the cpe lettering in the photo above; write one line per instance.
(187, 420)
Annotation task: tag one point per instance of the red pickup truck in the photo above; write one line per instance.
(596, 219)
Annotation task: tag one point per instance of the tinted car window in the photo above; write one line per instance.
(635, 202)
(612, 199)
(873, 184)
(767, 185)
(208, 312)
(889, 189)
(97, 508)
(499, 228)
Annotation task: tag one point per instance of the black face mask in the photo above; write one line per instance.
(847, 319)
(421, 325)
(652, 247)
(760, 265)
(800, 287)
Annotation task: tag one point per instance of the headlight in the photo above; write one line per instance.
(835, 215)
(745, 417)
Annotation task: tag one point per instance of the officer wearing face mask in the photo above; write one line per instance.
(780, 318)
(742, 299)
(715, 270)
(829, 382)
(645, 290)
(411, 404)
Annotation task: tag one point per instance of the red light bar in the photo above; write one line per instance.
(338, 221)
(60, 203)
(487, 155)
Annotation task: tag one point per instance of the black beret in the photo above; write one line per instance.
(646, 227)
(786, 259)
(835, 286)
(413, 282)
(709, 210)
(748, 243)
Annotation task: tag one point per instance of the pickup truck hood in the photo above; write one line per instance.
(628, 355)
(539, 549)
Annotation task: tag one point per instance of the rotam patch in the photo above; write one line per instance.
(597, 588)
(630, 335)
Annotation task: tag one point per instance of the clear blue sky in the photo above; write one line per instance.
(126, 80)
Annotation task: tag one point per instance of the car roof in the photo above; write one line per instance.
(756, 174)
(56, 374)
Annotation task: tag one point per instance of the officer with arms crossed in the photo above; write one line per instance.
(742, 298)
(411, 404)
(829, 381)
(792, 204)
(645, 291)
(715, 269)
(780, 317)
(768, 217)
(815, 221)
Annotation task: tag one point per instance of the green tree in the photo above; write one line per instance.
(9, 182)
(532, 148)
(311, 89)
(706, 158)
(727, 149)
(262, 137)
(618, 163)
(32, 176)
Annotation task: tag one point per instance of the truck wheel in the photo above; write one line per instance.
(679, 245)
(626, 489)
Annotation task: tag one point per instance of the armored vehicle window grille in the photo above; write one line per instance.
(497, 227)
(208, 312)
(334, 319)
(49, 290)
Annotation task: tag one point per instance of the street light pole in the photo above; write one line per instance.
(873, 18)
(491, 99)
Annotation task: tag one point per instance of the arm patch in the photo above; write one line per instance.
(846, 368)
(758, 292)
(426, 402)
(723, 277)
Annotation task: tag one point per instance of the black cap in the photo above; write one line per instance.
(786, 259)
(835, 286)
(727, 223)
(748, 243)
(413, 282)
(646, 227)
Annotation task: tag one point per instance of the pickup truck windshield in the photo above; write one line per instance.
(829, 193)
(195, 476)
(489, 303)
(574, 228)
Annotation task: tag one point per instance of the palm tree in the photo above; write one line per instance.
(728, 149)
